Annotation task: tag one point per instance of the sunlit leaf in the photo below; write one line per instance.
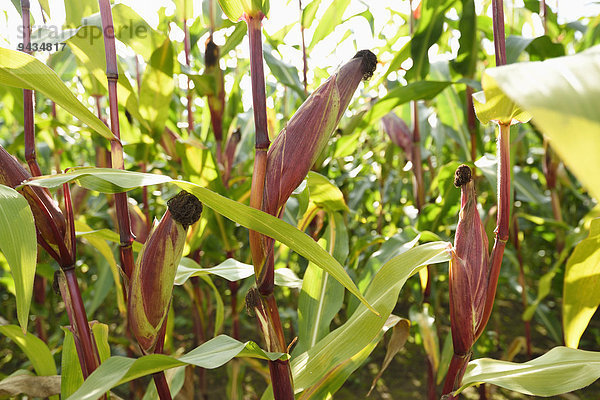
(562, 95)
(211, 354)
(581, 295)
(36, 350)
(24, 71)
(18, 243)
(560, 370)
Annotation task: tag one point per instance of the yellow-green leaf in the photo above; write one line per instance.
(563, 96)
(492, 104)
(18, 242)
(581, 295)
(21, 70)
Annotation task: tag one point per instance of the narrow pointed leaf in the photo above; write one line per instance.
(21, 70)
(212, 354)
(363, 326)
(111, 181)
(559, 371)
(18, 243)
(35, 349)
(581, 295)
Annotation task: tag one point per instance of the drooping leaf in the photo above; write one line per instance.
(559, 371)
(104, 180)
(400, 334)
(100, 244)
(363, 326)
(211, 354)
(21, 70)
(18, 243)
(36, 350)
(562, 95)
(581, 294)
(108, 180)
(286, 74)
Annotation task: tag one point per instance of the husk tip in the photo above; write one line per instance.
(185, 208)
(369, 62)
(462, 176)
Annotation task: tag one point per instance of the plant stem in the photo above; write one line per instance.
(544, 15)
(419, 189)
(515, 240)
(472, 123)
(281, 376)
(502, 222)
(304, 61)
(455, 372)
(187, 50)
(81, 322)
(30, 155)
(499, 36)
(112, 75)
(160, 380)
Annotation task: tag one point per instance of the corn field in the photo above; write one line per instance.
(303, 199)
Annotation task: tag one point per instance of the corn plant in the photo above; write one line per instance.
(298, 200)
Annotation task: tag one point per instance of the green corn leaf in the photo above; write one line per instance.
(581, 293)
(71, 375)
(36, 350)
(86, 232)
(563, 97)
(421, 90)
(76, 10)
(332, 381)
(428, 32)
(232, 270)
(329, 21)
(21, 70)
(363, 326)
(235, 9)
(560, 370)
(104, 180)
(18, 243)
(321, 297)
(492, 104)
(212, 354)
(157, 87)
(324, 193)
(220, 314)
(111, 181)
